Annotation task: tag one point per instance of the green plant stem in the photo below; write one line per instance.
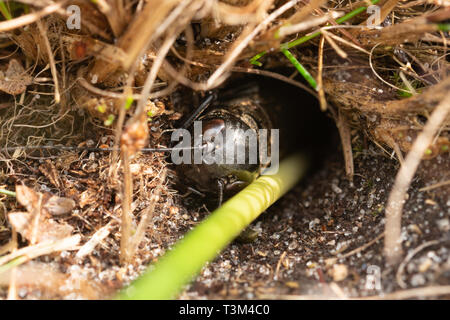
(8, 193)
(443, 27)
(308, 77)
(13, 263)
(128, 102)
(296, 42)
(5, 11)
(166, 278)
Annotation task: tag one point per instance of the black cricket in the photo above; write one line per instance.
(256, 102)
(229, 113)
(248, 103)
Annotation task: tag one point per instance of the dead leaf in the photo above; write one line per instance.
(58, 205)
(27, 197)
(40, 206)
(48, 229)
(49, 170)
(15, 80)
(51, 204)
(87, 197)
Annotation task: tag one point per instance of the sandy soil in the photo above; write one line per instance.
(321, 238)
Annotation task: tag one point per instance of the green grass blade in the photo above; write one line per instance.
(13, 263)
(5, 11)
(7, 192)
(308, 77)
(443, 27)
(296, 42)
(255, 61)
(172, 272)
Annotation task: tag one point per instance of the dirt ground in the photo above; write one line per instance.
(323, 239)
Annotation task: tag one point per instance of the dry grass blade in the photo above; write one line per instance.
(392, 241)
(407, 83)
(436, 185)
(407, 31)
(410, 255)
(425, 292)
(333, 44)
(12, 290)
(218, 76)
(109, 94)
(346, 141)
(322, 99)
(31, 17)
(149, 25)
(331, 35)
(387, 8)
(147, 216)
(152, 22)
(43, 248)
(253, 12)
(305, 11)
(127, 198)
(115, 13)
(157, 63)
(308, 24)
(363, 247)
(42, 30)
(96, 239)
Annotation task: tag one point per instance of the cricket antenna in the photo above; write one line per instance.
(205, 104)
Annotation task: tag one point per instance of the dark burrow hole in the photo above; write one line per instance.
(303, 126)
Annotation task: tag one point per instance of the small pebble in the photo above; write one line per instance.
(339, 272)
